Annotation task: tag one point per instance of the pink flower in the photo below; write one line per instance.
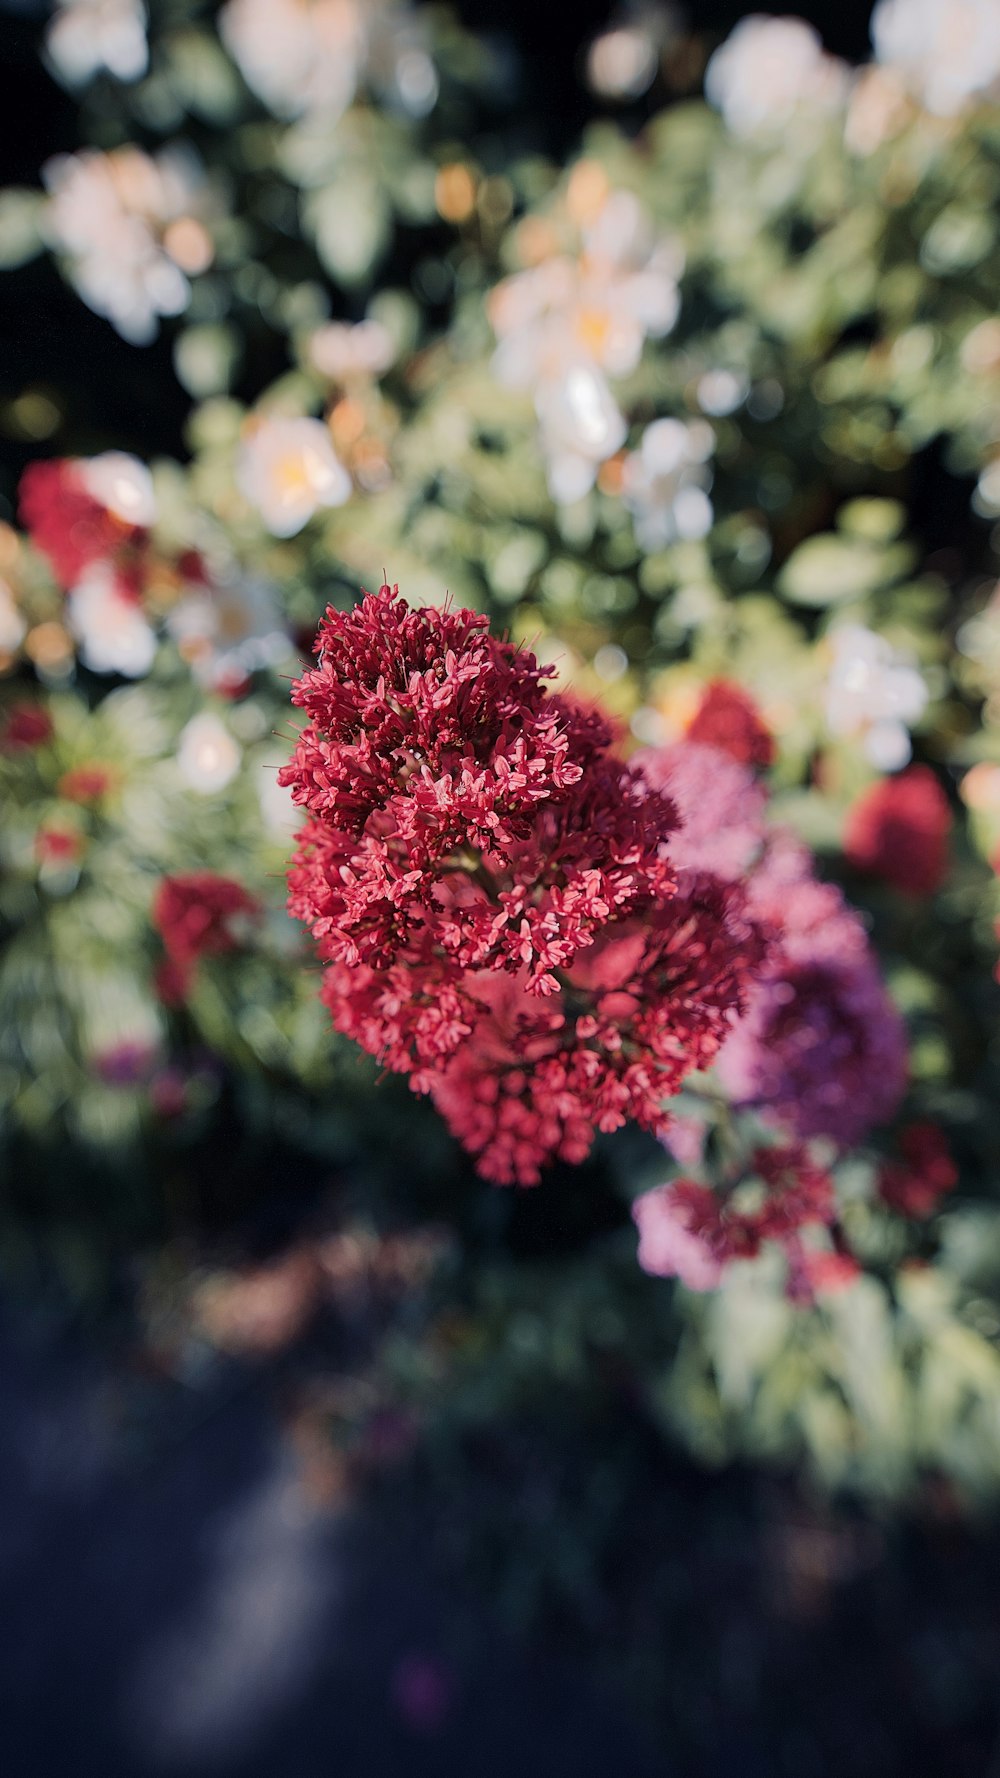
(721, 806)
(821, 1050)
(690, 1232)
(681, 1234)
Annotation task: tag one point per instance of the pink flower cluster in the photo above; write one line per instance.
(492, 890)
(819, 1052)
(691, 1232)
(822, 1050)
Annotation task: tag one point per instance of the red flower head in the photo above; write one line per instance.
(26, 726)
(492, 891)
(197, 915)
(86, 784)
(898, 830)
(58, 845)
(70, 526)
(690, 1232)
(728, 718)
(914, 1185)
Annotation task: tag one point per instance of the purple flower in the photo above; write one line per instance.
(821, 1049)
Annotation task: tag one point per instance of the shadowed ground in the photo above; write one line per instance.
(186, 1609)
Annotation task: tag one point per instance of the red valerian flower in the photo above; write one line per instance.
(73, 529)
(898, 830)
(690, 1232)
(915, 1184)
(728, 718)
(197, 915)
(492, 890)
(25, 726)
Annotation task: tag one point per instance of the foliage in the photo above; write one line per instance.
(713, 402)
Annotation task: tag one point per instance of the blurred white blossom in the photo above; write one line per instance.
(770, 68)
(876, 110)
(347, 352)
(622, 61)
(88, 35)
(288, 470)
(110, 629)
(568, 324)
(281, 816)
(946, 50)
(665, 482)
(131, 228)
(121, 484)
(228, 630)
(873, 693)
(721, 391)
(207, 755)
(313, 58)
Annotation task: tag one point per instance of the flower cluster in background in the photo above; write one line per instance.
(705, 912)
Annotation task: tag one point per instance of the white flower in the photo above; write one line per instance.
(665, 482)
(13, 628)
(877, 109)
(281, 815)
(580, 427)
(207, 756)
(312, 58)
(721, 391)
(622, 61)
(767, 70)
(873, 693)
(129, 227)
(228, 630)
(567, 325)
(601, 307)
(297, 57)
(87, 35)
(121, 484)
(288, 469)
(344, 352)
(946, 50)
(110, 630)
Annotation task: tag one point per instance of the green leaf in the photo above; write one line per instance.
(20, 226)
(831, 570)
(350, 222)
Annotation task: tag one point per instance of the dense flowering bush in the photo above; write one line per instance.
(703, 411)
